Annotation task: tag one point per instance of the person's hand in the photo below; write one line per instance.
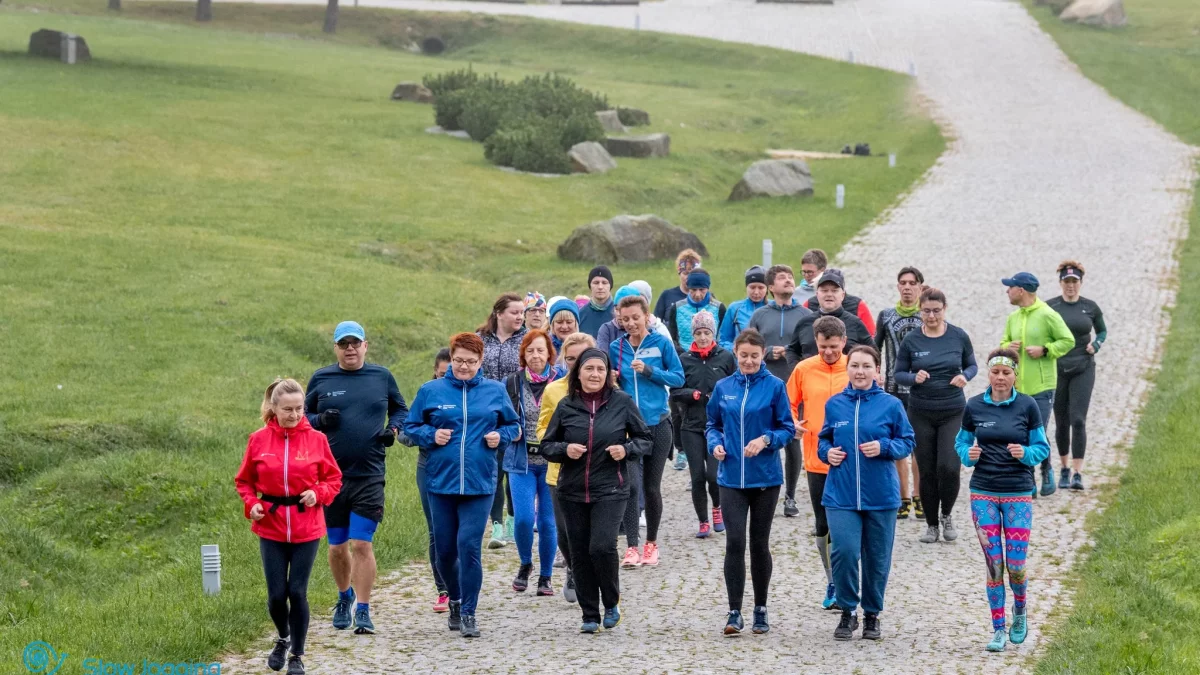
(1015, 345)
(719, 453)
(639, 366)
(1091, 348)
(754, 447)
(308, 498)
(387, 437)
(778, 352)
(922, 376)
(616, 377)
(1017, 451)
(442, 436)
(329, 419)
(617, 452)
(257, 513)
(492, 439)
(695, 394)
(869, 449)
(974, 452)
(1035, 352)
(575, 450)
(836, 455)
(959, 381)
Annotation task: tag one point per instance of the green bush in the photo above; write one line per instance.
(454, 80)
(536, 147)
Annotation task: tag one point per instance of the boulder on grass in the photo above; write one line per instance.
(590, 157)
(610, 121)
(774, 178)
(412, 91)
(54, 44)
(650, 145)
(1104, 13)
(632, 117)
(628, 239)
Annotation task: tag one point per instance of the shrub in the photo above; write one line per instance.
(454, 80)
(535, 146)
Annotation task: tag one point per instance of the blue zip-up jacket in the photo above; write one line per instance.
(649, 388)
(854, 417)
(993, 425)
(737, 319)
(470, 409)
(741, 409)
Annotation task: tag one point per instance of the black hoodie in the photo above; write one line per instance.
(804, 341)
(596, 476)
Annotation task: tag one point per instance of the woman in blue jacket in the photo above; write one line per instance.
(461, 420)
(749, 421)
(1003, 437)
(645, 366)
(866, 430)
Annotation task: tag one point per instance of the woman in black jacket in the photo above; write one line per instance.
(594, 432)
(703, 365)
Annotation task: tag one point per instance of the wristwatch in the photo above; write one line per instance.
(766, 440)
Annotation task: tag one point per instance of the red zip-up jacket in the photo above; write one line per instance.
(284, 463)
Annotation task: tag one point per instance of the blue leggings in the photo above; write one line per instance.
(458, 525)
(526, 489)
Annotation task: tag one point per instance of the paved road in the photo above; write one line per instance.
(1044, 165)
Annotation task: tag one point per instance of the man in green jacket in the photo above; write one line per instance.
(1040, 336)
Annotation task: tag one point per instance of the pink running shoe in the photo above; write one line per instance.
(442, 604)
(718, 520)
(704, 531)
(632, 558)
(650, 554)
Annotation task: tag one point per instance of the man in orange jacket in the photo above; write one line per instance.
(814, 381)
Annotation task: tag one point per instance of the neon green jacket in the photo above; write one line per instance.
(1038, 326)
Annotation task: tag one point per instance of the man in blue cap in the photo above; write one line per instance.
(1040, 335)
(358, 406)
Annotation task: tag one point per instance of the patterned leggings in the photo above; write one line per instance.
(1010, 516)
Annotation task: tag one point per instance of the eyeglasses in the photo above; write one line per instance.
(349, 344)
(933, 312)
(469, 363)
(536, 310)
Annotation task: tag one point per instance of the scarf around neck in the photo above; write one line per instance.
(907, 311)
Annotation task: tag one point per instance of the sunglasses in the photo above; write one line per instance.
(349, 344)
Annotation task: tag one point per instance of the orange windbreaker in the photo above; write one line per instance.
(813, 382)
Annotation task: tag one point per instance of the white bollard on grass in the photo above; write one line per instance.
(210, 566)
(768, 249)
(841, 196)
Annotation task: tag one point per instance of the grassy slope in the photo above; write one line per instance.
(188, 216)
(1138, 600)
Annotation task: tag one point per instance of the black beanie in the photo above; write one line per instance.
(756, 275)
(600, 271)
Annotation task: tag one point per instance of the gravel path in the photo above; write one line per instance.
(1044, 165)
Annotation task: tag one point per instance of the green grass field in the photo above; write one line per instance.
(189, 215)
(1137, 602)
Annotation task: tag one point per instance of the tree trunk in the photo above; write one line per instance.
(331, 16)
(204, 10)
(114, 5)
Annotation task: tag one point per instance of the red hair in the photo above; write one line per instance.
(528, 340)
(468, 341)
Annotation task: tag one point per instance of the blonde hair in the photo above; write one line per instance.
(275, 390)
(1070, 263)
(576, 339)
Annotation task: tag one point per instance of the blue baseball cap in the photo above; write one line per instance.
(347, 329)
(1023, 280)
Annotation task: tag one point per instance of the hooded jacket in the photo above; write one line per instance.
(598, 424)
(612, 330)
(853, 305)
(284, 463)
(648, 388)
(737, 319)
(742, 408)
(776, 323)
(679, 318)
(1038, 325)
(469, 409)
(810, 387)
(804, 342)
(700, 376)
(858, 416)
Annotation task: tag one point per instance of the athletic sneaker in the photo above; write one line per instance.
(544, 588)
(642, 519)
(469, 628)
(830, 601)
(949, 533)
(510, 529)
(930, 536)
(904, 510)
(650, 554)
(871, 627)
(680, 461)
(342, 614)
(442, 604)
(1077, 482)
(734, 625)
(589, 627)
(790, 509)
(703, 532)
(918, 508)
(569, 589)
(718, 520)
(1047, 481)
(1020, 627)
(846, 626)
(612, 617)
(362, 622)
(632, 558)
(278, 654)
(560, 561)
(760, 621)
(295, 665)
(521, 582)
(1064, 478)
(454, 621)
(999, 640)
(497, 540)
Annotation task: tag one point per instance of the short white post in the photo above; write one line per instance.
(841, 196)
(67, 51)
(210, 566)
(891, 160)
(850, 56)
(912, 68)
(768, 249)
(637, 21)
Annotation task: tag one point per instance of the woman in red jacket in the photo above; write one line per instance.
(287, 476)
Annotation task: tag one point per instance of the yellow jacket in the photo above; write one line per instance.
(555, 392)
(811, 384)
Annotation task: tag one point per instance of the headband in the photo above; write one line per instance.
(1002, 361)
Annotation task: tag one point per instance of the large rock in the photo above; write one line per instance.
(651, 145)
(412, 91)
(774, 178)
(1106, 13)
(590, 157)
(54, 44)
(610, 121)
(632, 117)
(628, 239)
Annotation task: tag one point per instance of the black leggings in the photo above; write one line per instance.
(755, 506)
(937, 462)
(703, 468)
(793, 461)
(816, 490)
(287, 568)
(651, 472)
(1071, 401)
(503, 494)
(592, 529)
(560, 523)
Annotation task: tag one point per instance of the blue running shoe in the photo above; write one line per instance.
(362, 622)
(1020, 627)
(760, 621)
(680, 461)
(999, 640)
(830, 601)
(735, 625)
(589, 627)
(341, 611)
(612, 617)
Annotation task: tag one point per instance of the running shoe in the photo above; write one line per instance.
(703, 532)
(544, 588)
(830, 601)
(930, 536)
(718, 521)
(680, 461)
(642, 519)
(846, 626)
(905, 508)
(918, 508)
(589, 627)
(1020, 627)
(650, 554)
(362, 622)
(1064, 478)
(612, 617)
(469, 629)
(632, 558)
(949, 533)
(999, 640)
(569, 589)
(1047, 481)
(734, 625)
(442, 604)
(454, 621)
(760, 621)
(510, 525)
(871, 627)
(560, 561)
(295, 665)
(342, 614)
(790, 509)
(278, 654)
(497, 540)
(521, 582)
(1077, 482)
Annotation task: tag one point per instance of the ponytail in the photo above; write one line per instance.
(274, 390)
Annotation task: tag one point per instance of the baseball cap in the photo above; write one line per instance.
(1023, 280)
(347, 329)
(832, 276)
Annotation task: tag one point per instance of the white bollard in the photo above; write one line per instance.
(891, 160)
(637, 21)
(210, 566)
(67, 52)
(841, 196)
(850, 56)
(768, 249)
(912, 68)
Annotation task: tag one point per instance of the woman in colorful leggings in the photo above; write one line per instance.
(1003, 437)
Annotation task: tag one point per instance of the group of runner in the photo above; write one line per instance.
(581, 401)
